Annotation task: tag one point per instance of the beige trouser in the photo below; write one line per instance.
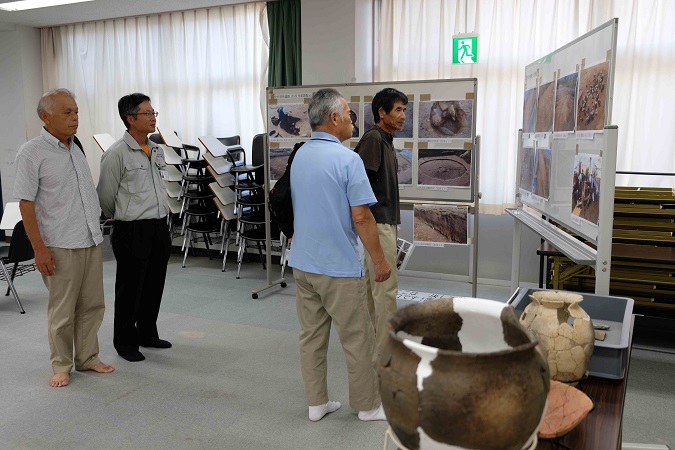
(321, 299)
(76, 306)
(382, 296)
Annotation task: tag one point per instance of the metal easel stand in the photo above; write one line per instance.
(268, 233)
(473, 268)
(576, 250)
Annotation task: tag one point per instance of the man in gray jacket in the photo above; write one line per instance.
(132, 191)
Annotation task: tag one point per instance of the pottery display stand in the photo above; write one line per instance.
(389, 435)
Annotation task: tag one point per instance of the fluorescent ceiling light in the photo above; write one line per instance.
(33, 4)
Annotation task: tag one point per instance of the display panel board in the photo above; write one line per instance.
(567, 105)
(435, 148)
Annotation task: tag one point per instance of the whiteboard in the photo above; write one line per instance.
(435, 149)
(567, 105)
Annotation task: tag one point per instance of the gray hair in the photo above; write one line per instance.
(323, 103)
(46, 103)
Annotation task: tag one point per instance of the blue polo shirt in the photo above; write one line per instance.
(327, 179)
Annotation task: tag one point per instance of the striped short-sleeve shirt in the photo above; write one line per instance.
(59, 182)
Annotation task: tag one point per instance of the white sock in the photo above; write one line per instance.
(373, 414)
(316, 413)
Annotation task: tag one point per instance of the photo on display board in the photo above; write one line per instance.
(446, 119)
(405, 132)
(529, 110)
(592, 102)
(288, 121)
(545, 104)
(354, 115)
(541, 185)
(444, 167)
(586, 187)
(526, 181)
(279, 161)
(444, 224)
(565, 103)
(404, 160)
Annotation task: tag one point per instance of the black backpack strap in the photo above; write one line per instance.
(79, 144)
(296, 147)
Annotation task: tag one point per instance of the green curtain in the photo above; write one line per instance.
(285, 64)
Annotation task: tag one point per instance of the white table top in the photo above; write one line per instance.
(104, 140)
(11, 215)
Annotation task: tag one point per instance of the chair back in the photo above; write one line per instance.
(258, 155)
(20, 249)
(258, 149)
(156, 138)
(231, 140)
(236, 156)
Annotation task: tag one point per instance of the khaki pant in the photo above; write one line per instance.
(382, 296)
(320, 300)
(75, 310)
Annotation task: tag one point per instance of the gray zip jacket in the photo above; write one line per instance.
(131, 185)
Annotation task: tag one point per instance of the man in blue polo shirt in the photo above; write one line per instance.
(331, 198)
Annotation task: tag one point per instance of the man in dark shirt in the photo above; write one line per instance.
(376, 148)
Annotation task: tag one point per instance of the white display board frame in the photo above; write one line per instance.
(589, 148)
(434, 95)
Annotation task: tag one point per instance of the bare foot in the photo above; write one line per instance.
(102, 367)
(59, 380)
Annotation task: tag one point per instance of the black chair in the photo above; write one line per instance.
(231, 140)
(19, 251)
(156, 138)
(258, 155)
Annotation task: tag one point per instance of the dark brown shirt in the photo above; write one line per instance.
(376, 149)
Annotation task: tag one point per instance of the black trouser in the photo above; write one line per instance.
(142, 249)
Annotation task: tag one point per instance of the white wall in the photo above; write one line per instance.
(20, 90)
(335, 50)
(335, 41)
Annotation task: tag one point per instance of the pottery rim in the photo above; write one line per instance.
(532, 343)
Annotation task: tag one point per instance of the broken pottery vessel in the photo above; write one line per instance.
(567, 407)
(462, 373)
(564, 330)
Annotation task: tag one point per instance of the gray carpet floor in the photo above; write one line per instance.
(232, 379)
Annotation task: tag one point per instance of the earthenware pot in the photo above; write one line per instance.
(564, 330)
(462, 372)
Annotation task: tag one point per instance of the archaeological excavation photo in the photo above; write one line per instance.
(445, 224)
(444, 167)
(445, 119)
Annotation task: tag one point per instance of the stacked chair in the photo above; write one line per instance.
(219, 164)
(190, 200)
(175, 167)
(228, 166)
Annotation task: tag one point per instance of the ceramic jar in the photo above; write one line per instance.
(564, 330)
(462, 373)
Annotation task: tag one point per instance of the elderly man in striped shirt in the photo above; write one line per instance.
(60, 211)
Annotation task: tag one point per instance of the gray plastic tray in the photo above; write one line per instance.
(610, 357)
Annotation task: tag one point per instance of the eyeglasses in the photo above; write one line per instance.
(155, 113)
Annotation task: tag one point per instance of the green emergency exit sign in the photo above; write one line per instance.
(465, 50)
